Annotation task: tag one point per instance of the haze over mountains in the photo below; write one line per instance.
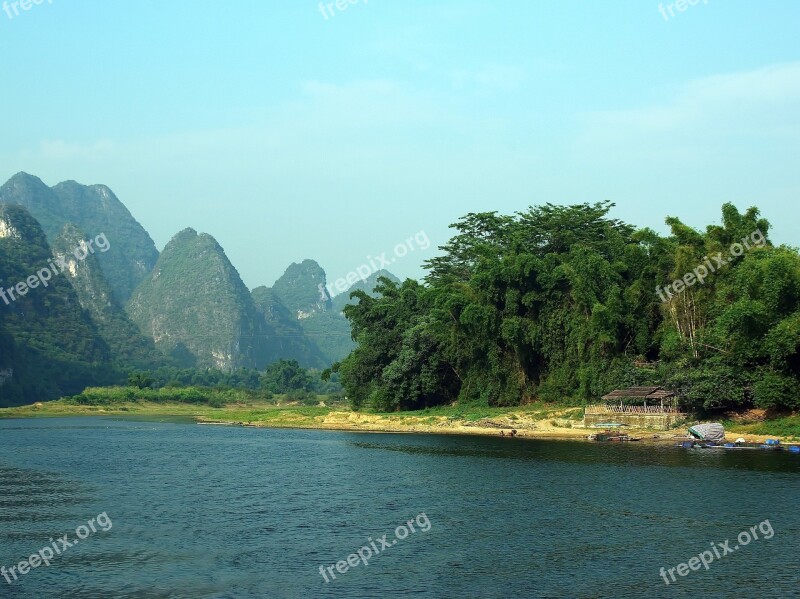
(129, 307)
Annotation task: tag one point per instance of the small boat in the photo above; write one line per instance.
(741, 446)
(768, 445)
(712, 433)
(700, 445)
(614, 436)
(705, 436)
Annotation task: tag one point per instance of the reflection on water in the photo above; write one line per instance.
(579, 452)
(213, 512)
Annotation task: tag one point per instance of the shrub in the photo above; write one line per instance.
(307, 398)
(216, 402)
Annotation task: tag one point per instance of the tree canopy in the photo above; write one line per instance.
(565, 303)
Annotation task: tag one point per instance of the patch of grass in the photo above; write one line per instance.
(473, 413)
(544, 414)
(469, 413)
(788, 426)
(110, 396)
(279, 412)
(236, 412)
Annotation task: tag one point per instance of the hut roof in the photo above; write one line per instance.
(651, 393)
(661, 394)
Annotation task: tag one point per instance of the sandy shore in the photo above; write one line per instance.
(526, 428)
(543, 421)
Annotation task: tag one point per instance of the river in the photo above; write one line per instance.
(177, 510)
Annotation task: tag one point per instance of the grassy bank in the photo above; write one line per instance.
(543, 421)
(537, 420)
(787, 427)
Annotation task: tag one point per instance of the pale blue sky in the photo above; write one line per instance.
(289, 136)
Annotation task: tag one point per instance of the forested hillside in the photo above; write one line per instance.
(129, 347)
(49, 346)
(93, 209)
(196, 308)
(564, 303)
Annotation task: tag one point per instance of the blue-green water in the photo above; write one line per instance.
(203, 511)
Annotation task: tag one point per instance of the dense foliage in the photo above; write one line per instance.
(564, 303)
(283, 376)
(215, 398)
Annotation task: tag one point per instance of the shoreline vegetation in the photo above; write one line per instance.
(324, 412)
(521, 318)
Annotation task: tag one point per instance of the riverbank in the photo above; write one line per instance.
(536, 421)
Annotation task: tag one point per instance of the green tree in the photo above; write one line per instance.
(285, 376)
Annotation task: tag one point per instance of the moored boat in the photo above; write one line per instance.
(614, 436)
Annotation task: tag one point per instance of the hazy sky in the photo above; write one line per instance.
(288, 135)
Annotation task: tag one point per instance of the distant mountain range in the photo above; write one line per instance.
(117, 305)
(93, 209)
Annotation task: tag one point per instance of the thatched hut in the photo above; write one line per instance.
(644, 407)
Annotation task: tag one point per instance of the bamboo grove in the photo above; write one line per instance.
(564, 303)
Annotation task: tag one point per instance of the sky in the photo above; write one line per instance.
(293, 129)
